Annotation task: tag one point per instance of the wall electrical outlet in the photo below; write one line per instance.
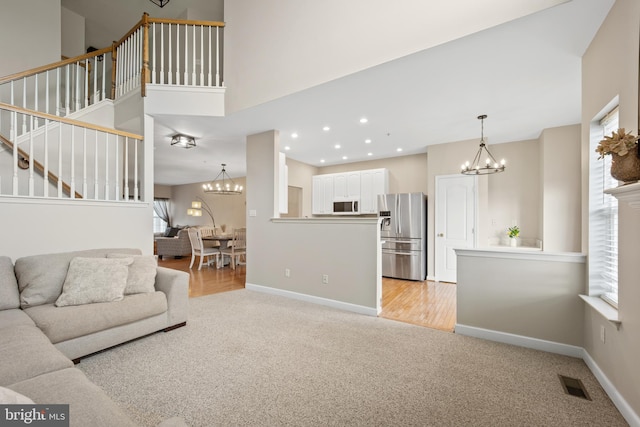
(325, 279)
(287, 272)
(602, 334)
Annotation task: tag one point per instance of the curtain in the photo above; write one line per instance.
(161, 207)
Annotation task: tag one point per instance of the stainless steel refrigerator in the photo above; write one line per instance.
(403, 231)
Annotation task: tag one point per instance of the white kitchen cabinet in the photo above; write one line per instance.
(372, 183)
(322, 201)
(364, 186)
(346, 186)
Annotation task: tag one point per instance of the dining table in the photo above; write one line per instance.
(222, 238)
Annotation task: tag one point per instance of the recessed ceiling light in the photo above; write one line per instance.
(398, 149)
(364, 120)
(344, 157)
(287, 148)
(321, 160)
(369, 154)
(326, 128)
(367, 141)
(294, 135)
(337, 146)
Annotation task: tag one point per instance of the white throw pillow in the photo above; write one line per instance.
(142, 273)
(91, 280)
(10, 397)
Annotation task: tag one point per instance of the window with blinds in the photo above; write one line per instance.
(603, 217)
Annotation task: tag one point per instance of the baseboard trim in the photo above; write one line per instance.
(519, 340)
(567, 350)
(360, 309)
(623, 406)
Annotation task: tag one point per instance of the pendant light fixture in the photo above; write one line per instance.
(223, 184)
(161, 3)
(490, 165)
(184, 141)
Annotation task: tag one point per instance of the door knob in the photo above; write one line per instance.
(440, 234)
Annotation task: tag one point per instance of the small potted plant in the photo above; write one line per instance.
(623, 148)
(513, 233)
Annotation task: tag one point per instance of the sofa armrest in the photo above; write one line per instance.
(175, 285)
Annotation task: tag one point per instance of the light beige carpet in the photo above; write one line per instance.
(250, 359)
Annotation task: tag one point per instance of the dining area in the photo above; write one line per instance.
(217, 249)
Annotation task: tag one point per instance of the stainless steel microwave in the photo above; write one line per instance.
(346, 207)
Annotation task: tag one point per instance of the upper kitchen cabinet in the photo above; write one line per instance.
(322, 201)
(362, 187)
(346, 186)
(372, 183)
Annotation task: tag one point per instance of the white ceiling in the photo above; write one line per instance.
(525, 75)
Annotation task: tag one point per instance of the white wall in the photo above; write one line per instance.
(73, 34)
(617, 38)
(29, 34)
(335, 38)
(33, 227)
(560, 178)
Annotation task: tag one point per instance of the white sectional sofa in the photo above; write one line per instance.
(42, 337)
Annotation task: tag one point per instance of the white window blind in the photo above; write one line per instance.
(603, 217)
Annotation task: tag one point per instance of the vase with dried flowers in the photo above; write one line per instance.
(625, 159)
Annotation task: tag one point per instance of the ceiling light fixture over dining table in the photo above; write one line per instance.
(223, 184)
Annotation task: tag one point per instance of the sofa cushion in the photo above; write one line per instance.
(40, 277)
(142, 273)
(88, 404)
(173, 232)
(14, 317)
(9, 295)
(10, 397)
(92, 280)
(29, 354)
(65, 323)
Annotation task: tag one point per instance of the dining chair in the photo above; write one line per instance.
(237, 248)
(198, 249)
(209, 232)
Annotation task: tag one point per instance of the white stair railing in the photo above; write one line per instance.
(79, 160)
(61, 88)
(186, 53)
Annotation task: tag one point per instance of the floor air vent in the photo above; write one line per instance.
(574, 387)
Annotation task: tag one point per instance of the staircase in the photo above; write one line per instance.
(57, 132)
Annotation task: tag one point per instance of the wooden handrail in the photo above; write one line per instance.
(144, 22)
(53, 178)
(53, 66)
(187, 22)
(68, 121)
(131, 31)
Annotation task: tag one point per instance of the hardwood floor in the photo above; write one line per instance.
(209, 280)
(430, 304)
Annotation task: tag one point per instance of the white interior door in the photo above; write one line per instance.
(455, 207)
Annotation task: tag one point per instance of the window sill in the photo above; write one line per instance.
(629, 193)
(606, 310)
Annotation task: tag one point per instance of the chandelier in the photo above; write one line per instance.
(490, 166)
(223, 184)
